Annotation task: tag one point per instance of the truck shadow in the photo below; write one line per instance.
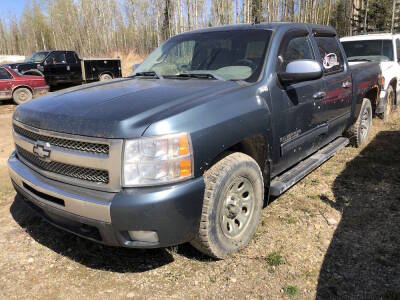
(363, 258)
(90, 254)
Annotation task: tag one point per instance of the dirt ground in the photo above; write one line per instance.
(336, 234)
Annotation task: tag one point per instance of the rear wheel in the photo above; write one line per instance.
(232, 206)
(21, 95)
(105, 77)
(359, 131)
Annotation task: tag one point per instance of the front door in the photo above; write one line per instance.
(336, 105)
(296, 111)
(56, 68)
(73, 63)
(5, 84)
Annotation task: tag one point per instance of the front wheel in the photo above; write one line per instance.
(232, 206)
(358, 133)
(22, 95)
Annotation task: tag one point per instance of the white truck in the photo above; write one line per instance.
(384, 48)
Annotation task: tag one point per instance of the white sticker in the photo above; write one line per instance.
(330, 60)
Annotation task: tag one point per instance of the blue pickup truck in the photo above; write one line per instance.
(190, 146)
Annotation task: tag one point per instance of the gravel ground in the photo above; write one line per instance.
(336, 234)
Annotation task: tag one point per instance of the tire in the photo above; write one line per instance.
(359, 131)
(22, 95)
(105, 77)
(390, 104)
(232, 206)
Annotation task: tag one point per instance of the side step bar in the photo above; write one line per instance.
(287, 180)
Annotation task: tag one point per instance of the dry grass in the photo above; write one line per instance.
(336, 234)
(128, 60)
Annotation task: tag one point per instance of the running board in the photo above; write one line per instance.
(287, 180)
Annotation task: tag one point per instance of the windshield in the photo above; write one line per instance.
(376, 50)
(226, 55)
(37, 57)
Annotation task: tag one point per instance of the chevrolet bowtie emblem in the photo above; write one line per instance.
(42, 150)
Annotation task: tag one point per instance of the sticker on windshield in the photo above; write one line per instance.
(330, 60)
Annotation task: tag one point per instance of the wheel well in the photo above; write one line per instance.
(373, 96)
(107, 73)
(22, 86)
(254, 146)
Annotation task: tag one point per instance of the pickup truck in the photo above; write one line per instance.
(65, 67)
(385, 49)
(188, 148)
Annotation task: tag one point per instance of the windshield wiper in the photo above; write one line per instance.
(359, 59)
(153, 74)
(197, 76)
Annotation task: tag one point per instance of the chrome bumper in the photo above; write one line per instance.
(76, 200)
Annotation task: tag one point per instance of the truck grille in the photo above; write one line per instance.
(92, 175)
(63, 143)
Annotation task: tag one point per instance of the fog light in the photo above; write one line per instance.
(144, 236)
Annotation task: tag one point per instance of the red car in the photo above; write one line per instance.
(19, 87)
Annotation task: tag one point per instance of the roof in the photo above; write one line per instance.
(270, 26)
(372, 36)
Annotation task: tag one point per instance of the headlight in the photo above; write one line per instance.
(157, 160)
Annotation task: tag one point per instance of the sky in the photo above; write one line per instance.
(8, 7)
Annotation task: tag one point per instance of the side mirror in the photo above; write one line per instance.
(135, 66)
(300, 70)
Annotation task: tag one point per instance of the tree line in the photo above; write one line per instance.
(103, 27)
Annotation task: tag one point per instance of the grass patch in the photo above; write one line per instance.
(291, 290)
(274, 259)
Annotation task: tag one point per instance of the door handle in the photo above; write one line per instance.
(68, 68)
(319, 95)
(346, 84)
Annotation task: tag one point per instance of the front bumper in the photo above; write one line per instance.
(171, 211)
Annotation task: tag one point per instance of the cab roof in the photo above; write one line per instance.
(267, 26)
(372, 36)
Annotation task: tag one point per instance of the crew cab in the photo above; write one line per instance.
(385, 49)
(185, 148)
(20, 88)
(65, 67)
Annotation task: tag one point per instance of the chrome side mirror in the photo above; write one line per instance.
(300, 70)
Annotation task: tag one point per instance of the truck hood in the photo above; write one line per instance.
(21, 64)
(386, 65)
(121, 108)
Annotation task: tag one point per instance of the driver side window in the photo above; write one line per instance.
(56, 58)
(297, 48)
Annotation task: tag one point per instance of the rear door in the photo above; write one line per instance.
(5, 84)
(297, 124)
(336, 105)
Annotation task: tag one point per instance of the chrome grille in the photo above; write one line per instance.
(63, 143)
(87, 174)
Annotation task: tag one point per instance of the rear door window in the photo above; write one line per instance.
(71, 59)
(331, 56)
